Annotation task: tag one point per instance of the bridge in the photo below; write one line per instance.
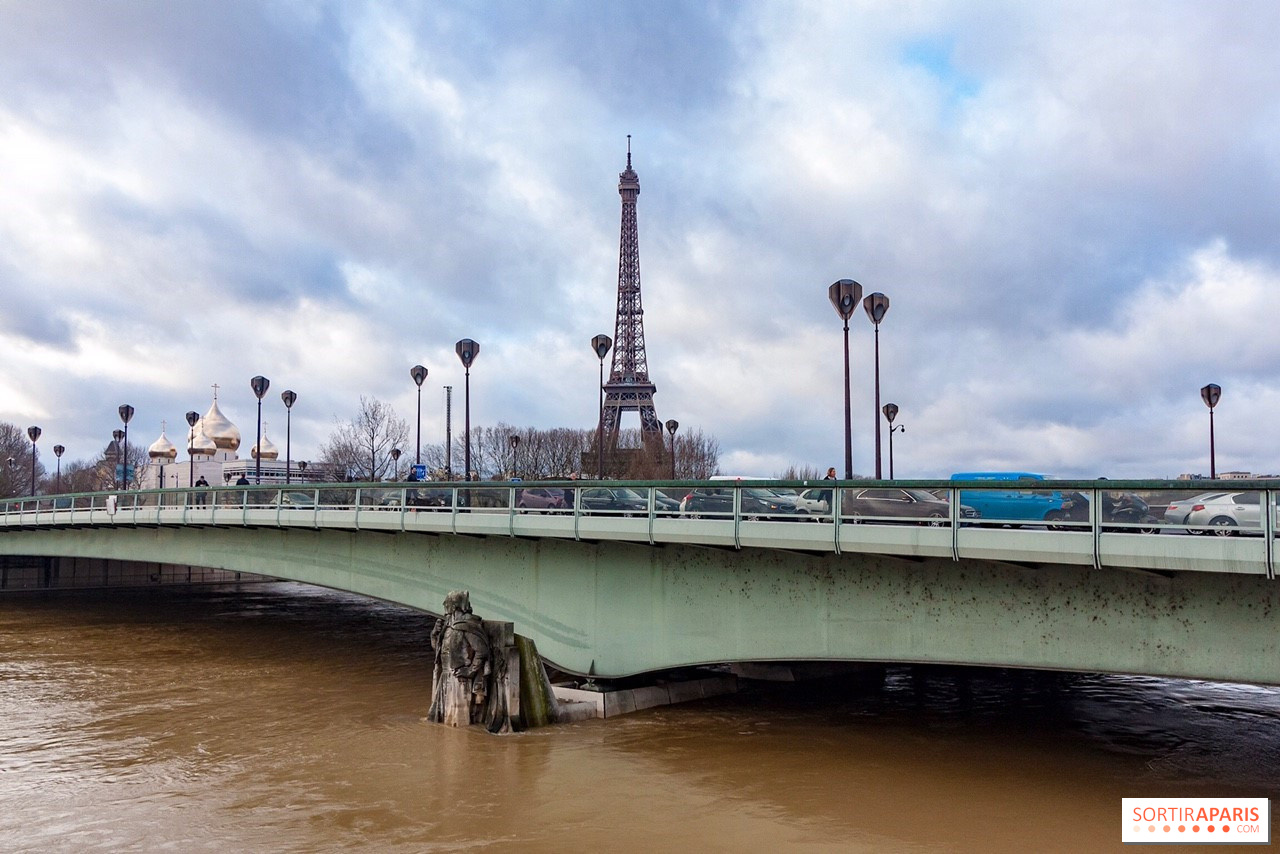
(644, 586)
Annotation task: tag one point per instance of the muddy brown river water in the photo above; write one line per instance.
(283, 718)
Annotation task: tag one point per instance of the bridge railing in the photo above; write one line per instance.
(1087, 522)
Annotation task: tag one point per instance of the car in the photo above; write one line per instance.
(757, 503)
(1012, 497)
(294, 498)
(614, 500)
(540, 498)
(873, 502)
(1228, 514)
(1178, 510)
(898, 505)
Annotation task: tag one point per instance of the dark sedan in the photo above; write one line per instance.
(757, 503)
(898, 504)
(617, 500)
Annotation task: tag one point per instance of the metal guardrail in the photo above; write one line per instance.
(672, 513)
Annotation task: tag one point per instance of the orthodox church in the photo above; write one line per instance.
(212, 443)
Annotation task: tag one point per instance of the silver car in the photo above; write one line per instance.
(1178, 511)
(1227, 514)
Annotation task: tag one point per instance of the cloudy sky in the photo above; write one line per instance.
(1072, 206)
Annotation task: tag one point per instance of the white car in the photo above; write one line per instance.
(1227, 514)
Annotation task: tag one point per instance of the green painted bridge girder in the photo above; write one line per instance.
(619, 608)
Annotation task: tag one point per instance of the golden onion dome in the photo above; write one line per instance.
(198, 444)
(162, 450)
(268, 452)
(225, 435)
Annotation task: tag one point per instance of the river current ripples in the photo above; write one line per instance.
(277, 717)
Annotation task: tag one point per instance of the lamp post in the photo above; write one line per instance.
(419, 375)
(302, 470)
(467, 351)
(672, 426)
(58, 451)
(259, 384)
(118, 473)
(126, 413)
(193, 418)
(890, 411)
(876, 305)
(601, 344)
(290, 397)
(515, 444)
(395, 463)
(13, 464)
(448, 432)
(1210, 394)
(844, 295)
(33, 433)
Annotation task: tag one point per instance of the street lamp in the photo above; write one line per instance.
(890, 411)
(467, 351)
(601, 344)
(419, 374)
(33, 433)
(289, 397)
(58, 451)
(117, 436)
(876, 305)
(395, 463)
(259, 384)
(844, 295)
(448, 432)
(672, 426)
(193, 418)
(126, 413)
(302, 470)
(515, 443)
(1210, 395)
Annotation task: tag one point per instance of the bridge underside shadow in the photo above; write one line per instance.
(618, 609)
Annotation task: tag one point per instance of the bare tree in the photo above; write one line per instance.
(362, 446)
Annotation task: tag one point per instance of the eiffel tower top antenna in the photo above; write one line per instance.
(629, 388)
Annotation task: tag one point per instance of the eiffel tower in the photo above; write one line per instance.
(629, 388)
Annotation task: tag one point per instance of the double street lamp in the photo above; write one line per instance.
(890, 411)
(126, 413)
(259, 384)
(844, 295)
(119, 472)
(1210, 394)
(467, 351)
(877, 305)
(601, 344)
(33, 433)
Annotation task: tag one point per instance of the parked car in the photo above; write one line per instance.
(1178, 511)
(540, 498)
(901, 503)
(294, 498)
(757, 503)
(1228, 514)
(1013, 496)
(619, 500)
